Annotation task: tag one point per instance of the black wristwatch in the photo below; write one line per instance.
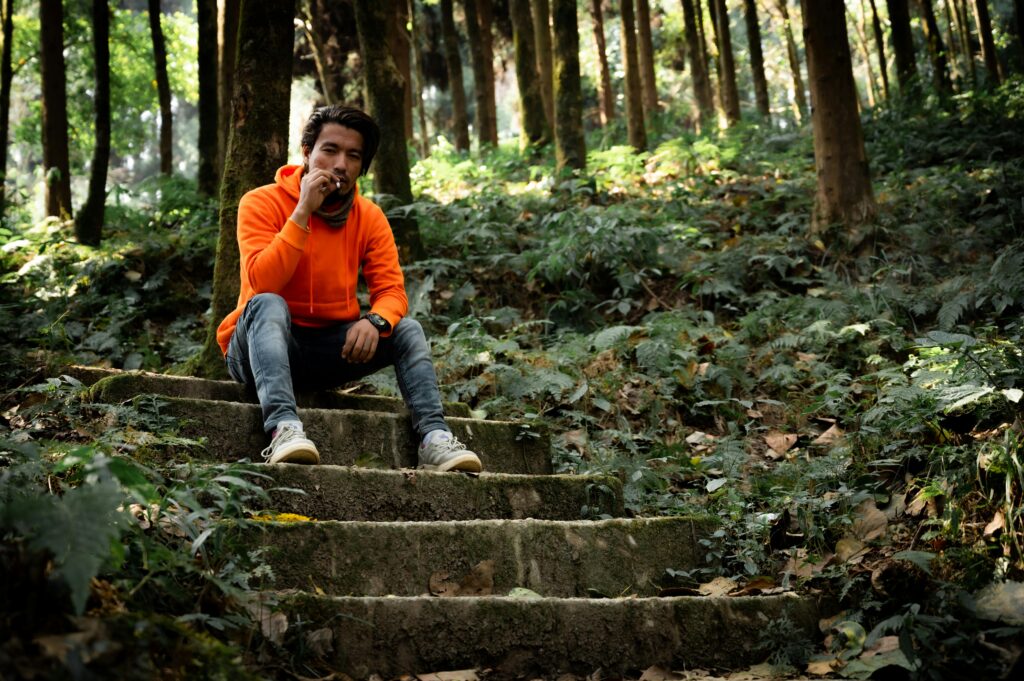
(382, 325)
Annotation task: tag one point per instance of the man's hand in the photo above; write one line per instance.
(315, 186)
(360, 342)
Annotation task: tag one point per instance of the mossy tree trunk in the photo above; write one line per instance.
(636, 131)
(56, 158)
(963, 23)
(485, 13)
(328, 59)
(541, 15)
(460, 118)
(727, 86)
(645, 51)
(6, 76)
(257, 145)
(936, 48)
(605, 96)
(480, 68)
(844, 193)
(865, 52)
(416, 38)
(988, 45)
(876, 27)
(163, 89)
(799, 95)
(89, 221)
(398, 44)
(570, 147)
(208, 180)
(757, 59)
(902, 43)
(227, 49)
(535, 130)
(702, 94)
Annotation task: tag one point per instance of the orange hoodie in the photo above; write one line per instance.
(315, 272)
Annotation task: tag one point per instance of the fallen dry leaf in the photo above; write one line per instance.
(657, 673)
(820, 667)
(442, 585)
(719, 586)
(460, 675)
(829, 437)
(479, 582)
(997, 524)
(849, 548)
(780, 443)
(799, 566)
(320, 642)
(870, 523)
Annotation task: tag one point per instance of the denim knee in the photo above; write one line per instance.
(409, 332)
(269, 306)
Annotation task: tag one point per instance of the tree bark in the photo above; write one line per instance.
(227, 49)
(163, 88)
(606, 96)
(645, 43)
(460, 119)
(531, 106)
(570, 147)
(636, 131)
(417, 65)
(385, 95)
(257, 145)
(398, 43)
(541, 15)
(328, 58)
(89, 221)
(208, 180)
(702, 94)
(876, 26)
(902, 43)
(486, 15)
(964, 25)
(862, 41)
(799, 95)
(1018, 11)
(484, 135)
(757, 59)
(728, 88)
(936, 48)
(988, 45)
(6, 76)
(56, 159)
(844, 187)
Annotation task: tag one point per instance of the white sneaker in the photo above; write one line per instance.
(290, 445)
(446, 453)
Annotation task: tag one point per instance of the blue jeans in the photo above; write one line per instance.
(269, 353)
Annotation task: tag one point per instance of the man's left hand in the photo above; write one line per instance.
(360, 342)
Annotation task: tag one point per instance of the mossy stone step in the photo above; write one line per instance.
(347, 437)
(553, 558)
(523, 638)
(113, 385)
(351, 493)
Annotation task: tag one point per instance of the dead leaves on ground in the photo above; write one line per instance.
(479, 582)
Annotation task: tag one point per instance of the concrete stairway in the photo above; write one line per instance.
(547, 574)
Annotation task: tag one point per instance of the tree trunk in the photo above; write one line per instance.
(541, 15)
(936, 49)
(902, 43)
(757, 59)
(635, 129)
(728, 89)
(460, 119)
(648, 81)
(417, 65)
(531, 106)
(89, 221)
(988, 45)
(385, 96)
(6, 76)
(862, 41)
(702, 94)
(257, 145)
(329, 60)
(1018, 11)
(570, 147)
(227, 49)
(484, 135)
(398, 44)
(486, 15)
(206, 11)
(964, 24)
(883, 67)
(956, 54)
(163, 88)
(56, 159)
(844, 185)
(606, 96)
(799, 96)
(703, 42)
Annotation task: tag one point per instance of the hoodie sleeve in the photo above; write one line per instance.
(269, 243)
(382, 272)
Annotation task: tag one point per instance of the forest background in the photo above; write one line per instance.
(759, 259)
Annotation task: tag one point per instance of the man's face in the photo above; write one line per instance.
(338, 150)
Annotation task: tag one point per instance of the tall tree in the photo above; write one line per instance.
(398, 45)
(257, 145)
(56, 159)
(541, 14)
(964, 29)
(727, 87)
(322, 33)
(206, 17)
(988, 45)
(862, 42)
(486, 17)
(481, 66)
(1018, 11)
(6, 76)
(636, 131)
(799, 96)
(902, 42)
(698, 68)
(570, 147)
(606, 97)
(531, 106)
(89, 221)
(757, 59)
(936, 48)
(163, 88)
(417, 64)
(460, 118)
(645, 48)
(876, 26)
(844, 186)
(227, 48)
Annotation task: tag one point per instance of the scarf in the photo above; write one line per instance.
(334, 211)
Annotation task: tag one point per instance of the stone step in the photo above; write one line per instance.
(113, 385)
(525, 638)
(349, 493)
(553, 558)
(348, 437)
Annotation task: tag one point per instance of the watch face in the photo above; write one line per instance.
(377, 321)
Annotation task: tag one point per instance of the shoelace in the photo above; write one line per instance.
(448, 444)
(283, 434)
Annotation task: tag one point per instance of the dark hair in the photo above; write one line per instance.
(349, 117)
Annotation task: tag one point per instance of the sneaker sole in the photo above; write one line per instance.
(298, 453)
(469, 463)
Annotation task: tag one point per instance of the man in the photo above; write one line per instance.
(302, 242)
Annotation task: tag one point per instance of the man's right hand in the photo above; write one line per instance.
(313, 189)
